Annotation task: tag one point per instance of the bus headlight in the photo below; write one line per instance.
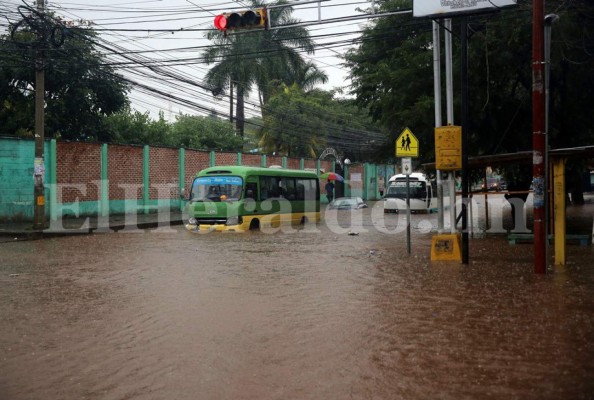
(235, 220)
(192, 221)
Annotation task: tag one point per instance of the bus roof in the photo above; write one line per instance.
(247, 170)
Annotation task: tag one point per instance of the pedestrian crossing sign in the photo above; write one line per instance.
(407, 145)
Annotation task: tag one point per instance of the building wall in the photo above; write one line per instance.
(252, 160)
(163, 173)
(16, 179)
(225, 158)
(355, 180)
(195, 162)
(124, 171)
(77, 170)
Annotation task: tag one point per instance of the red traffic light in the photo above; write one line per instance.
(220, 22)
(239, 20)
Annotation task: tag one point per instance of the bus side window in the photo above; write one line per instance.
(251, 190)
(300, 192)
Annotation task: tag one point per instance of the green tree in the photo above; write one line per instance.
(243, 59)
(206, 133)
(80, 87)
(302, 124)
(392, 75)
(138, 128)
(294, 125)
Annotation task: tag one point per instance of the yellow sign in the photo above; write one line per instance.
(448, 148)
(446, 247)
(407, 145)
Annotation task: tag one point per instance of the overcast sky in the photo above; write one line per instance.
(132, 28)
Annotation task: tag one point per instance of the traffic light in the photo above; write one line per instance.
(241, 20)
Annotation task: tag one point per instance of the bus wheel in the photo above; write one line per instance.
(255, 224)
(303, 220)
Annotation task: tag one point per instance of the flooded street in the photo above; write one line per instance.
(308, 314)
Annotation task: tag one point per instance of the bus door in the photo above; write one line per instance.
(251, 195)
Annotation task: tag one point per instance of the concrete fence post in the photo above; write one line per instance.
(53, 181)
(145, 178)
(104, 207)
(347, 191)
(182, 178)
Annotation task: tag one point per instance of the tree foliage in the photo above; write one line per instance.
(263, 58)
(204, 133)
(392, 74)
(80, 88)
(134, 127)
(302, 124)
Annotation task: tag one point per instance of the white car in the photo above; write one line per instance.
(347, 203)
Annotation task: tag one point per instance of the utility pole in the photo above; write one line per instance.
(538, 137)
(39, 164)
(465, 118)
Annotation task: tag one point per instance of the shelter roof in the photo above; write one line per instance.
(523, 157)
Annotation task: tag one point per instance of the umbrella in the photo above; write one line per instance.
(332, 176)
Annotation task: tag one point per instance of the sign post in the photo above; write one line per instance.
(448, 157)
(406, 170)
(407, 146)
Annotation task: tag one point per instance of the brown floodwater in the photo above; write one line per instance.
(307, 314)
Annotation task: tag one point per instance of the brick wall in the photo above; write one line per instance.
(78, 171)
(225, 158)
(310, 163)
(195, 162)
(274, 160)
(163, 173)
(124, 168)
(252, 160)
(293, 163)
(326, 165)
(80, 163)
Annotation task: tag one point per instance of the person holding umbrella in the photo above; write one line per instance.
(331, 176)
(329, 190)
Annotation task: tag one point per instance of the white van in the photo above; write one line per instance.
(422, 194)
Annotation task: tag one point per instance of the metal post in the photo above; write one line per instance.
(548, 25)
(407, 215)
(437, 96)
(538, 136)
(450, 114)
(485, 190)
(39, 164)
(465, 131)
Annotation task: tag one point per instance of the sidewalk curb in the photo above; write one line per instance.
(7, 235)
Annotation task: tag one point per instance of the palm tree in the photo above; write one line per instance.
(247, 58)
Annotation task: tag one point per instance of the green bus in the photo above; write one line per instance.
(240, 198)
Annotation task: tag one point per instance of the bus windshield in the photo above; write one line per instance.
(397, 190)
(216, 188)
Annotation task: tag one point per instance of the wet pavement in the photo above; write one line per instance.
(313, 313)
